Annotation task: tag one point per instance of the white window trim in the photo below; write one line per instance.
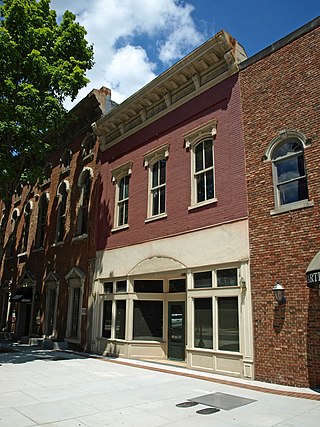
(150, 159)
(197, 135)
(282, 136)
(117, 175)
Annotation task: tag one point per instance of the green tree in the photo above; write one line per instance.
(42, 62)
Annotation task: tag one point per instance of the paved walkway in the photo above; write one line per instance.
(51, 388)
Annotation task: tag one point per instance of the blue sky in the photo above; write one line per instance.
(136, 40)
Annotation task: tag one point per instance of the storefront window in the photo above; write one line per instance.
(203, 332)
(120, 319)
(148, 320)
(228, 321)
(107, 319)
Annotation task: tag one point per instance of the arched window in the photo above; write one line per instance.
(26, 227)
(83, 213)
(42, 219)
(289, 172)
(62, 210)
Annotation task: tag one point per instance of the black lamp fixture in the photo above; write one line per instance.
(278, 291)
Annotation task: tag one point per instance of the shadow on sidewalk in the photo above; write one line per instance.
(17, 353)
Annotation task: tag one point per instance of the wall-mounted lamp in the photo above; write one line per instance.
(278, 291)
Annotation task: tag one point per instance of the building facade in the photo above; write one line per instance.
(50, 239)
(280, 95)
(172, 275)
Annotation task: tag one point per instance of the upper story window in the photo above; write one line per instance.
(47, 170)
(14, 223)
(42, 219)
(200, 141)
(156, 161)
(65, 160)
(83, 213)
(289, 172)
(26, 227)
(286, 152)
(121, 176)
(62, 193)
(87, 146)
(203, 171)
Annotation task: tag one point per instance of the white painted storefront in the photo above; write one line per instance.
(184, 297)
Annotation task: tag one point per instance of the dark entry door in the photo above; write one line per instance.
(176, 330)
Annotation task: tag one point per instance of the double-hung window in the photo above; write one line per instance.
(26, 227)
(158, 188)
(62, 210)
(83, 213)
(156, 162)
(42, 219)
(200, 142)
(289, 172)
(121, 177)
(286, 152)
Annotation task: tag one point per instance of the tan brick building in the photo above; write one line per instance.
(280, 92)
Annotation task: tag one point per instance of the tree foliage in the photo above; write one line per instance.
(42, 61)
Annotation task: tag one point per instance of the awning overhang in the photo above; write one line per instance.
(313, 272)
(23, 294)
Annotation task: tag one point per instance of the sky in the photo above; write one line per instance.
(136, 40)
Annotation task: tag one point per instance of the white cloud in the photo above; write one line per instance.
(165, 29)
(128, 71)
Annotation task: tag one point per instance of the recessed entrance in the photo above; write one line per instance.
(176, 330)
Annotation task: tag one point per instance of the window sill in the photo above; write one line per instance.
(22, 254)
(57, 244)
(80, 237)
(201, 204)
(73, 340)
(156, 217)
(38, 250)
(122, 227)
(292, 207)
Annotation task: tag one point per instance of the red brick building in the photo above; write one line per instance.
(280, 94)
(172, 277)
(49, 261)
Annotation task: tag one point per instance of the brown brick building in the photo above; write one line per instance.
(280, 92)
(50, 238)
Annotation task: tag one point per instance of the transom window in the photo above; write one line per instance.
(289, 172)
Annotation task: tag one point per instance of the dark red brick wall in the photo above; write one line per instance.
(221, 102)
(61, 258)
(282, 91)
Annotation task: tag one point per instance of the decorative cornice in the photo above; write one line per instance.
(209, 64)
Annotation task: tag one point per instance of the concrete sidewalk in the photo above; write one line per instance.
(51, 388)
